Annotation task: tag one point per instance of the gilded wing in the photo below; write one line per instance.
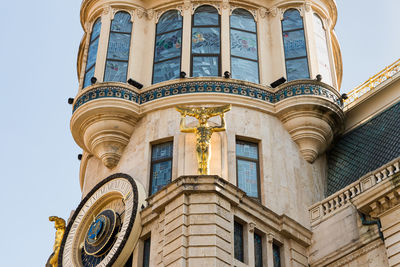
(216, 111)
(187, 111)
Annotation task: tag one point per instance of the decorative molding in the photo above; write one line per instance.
(150, 14)
(140, 12)
(263, 12)
(251, 227)
(106, 10)
(358, 253)
(287, 90)
(307, 6)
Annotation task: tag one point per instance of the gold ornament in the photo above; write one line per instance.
(59, 224)
(203, 131)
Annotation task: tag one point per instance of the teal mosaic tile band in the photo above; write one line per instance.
(207, 87)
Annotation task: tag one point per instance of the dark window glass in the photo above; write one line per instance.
(161, 166)
(206, 39)
(244, 54)
(294, 46)
(92, 53)
(277, 255)
(258, 250)
(238, 241)
(247, 167)
(118, 48)
(129, 263)
(146, 252)
(167, 51)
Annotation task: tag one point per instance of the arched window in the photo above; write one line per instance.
(322, 50)
(206, 48)
(92, 53)
(295, 46)
(167, 51)
(118, 48)
(244, 56)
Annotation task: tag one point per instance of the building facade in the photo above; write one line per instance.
(297, 174)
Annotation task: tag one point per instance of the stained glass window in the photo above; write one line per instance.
(238, 241)
(276, 250)
(161, 166)
(294, 45)
(258, 260)
(146, 252)
(322, 50)
(92, 53)
(206, 39)
(244, 54)
(118, 48)
(247, 167)
(167, 52)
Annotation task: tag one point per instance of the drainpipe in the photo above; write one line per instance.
(364, 221)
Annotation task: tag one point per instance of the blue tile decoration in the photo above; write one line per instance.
(364, 149)
(302, 87)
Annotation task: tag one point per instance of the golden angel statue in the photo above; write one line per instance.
(203, 131)
(59, 224)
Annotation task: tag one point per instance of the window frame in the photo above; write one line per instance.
(276, 245)
(230, 42)
(108, 46)
(305, 42)
(155, 42)
(261, 235)
(88, 50)
(243, 251)
(192, 55)
(258, 198)
(158, 161)
(147, 238)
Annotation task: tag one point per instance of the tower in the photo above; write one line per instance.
(143, 201)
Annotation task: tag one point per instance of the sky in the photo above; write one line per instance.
(39, 165)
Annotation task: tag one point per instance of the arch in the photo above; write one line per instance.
(244, 52)
(294, 43)
(322, 50)
(92, 53)
(118, 48)
(206, 42)
(168, 47)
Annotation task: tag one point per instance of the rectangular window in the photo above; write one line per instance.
(238, 241)
(161, 166)
(146, 252)
(247, 168)
(277, 255)
(258, 261)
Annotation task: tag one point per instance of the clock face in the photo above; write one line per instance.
(105, 227)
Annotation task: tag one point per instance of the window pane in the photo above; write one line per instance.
(92, 54)
(243, 44)
(168, 45)
(118, 46)
(247, 177)
(121, 22)
(206, 15)
(146, 252)
(115, 71)
(161, 151)
(88, 76)
(205, 66)
(238, 241)
(243, 69)
(292, 20)
(277, 255)
(258, 251)
(205, 40)
(161, 175)
(297, 69)
(242, 19)
(96, 29)
(247, 149)
(294, 43)
(169, 21)
(167, 70)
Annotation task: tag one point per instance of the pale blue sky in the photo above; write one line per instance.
(38, 48)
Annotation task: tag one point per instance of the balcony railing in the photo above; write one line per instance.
(373, 82)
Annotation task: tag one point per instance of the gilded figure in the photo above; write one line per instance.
(203, 131)
(59, 224)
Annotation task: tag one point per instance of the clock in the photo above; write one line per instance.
(105, 227)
